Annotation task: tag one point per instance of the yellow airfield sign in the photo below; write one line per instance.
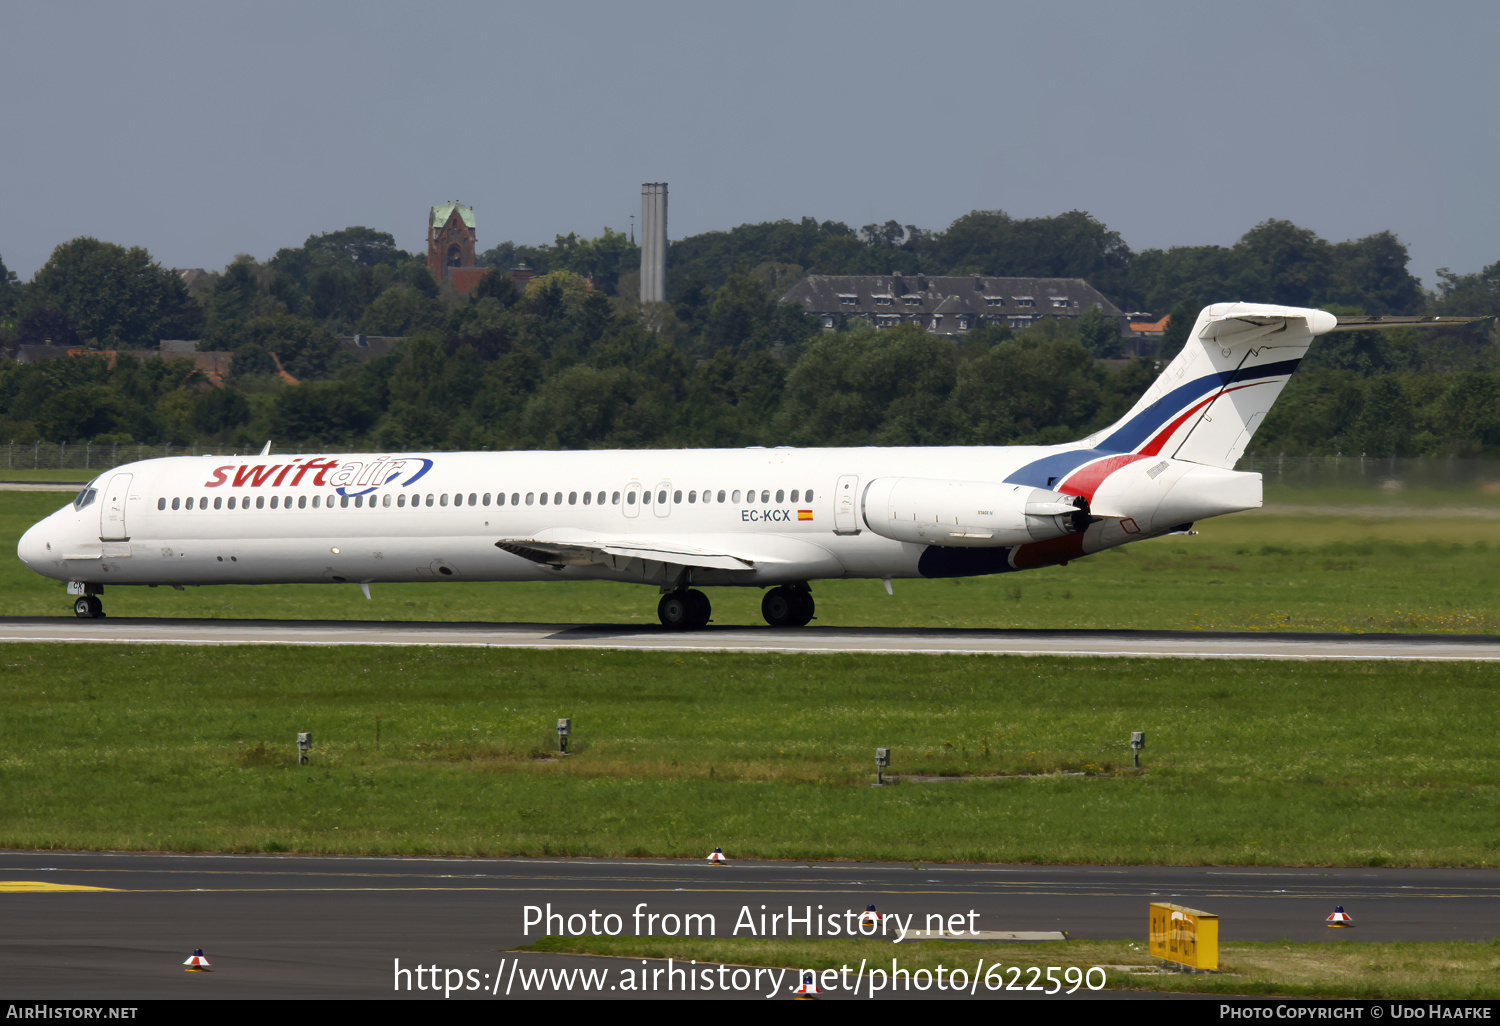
(1185, 935)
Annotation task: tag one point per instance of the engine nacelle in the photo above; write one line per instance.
(969, 514)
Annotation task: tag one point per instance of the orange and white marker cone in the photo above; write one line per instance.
(717, 855)
(1340, 917)
(196, 963)
(869, 915)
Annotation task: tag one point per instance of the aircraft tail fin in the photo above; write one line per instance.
(1206, 405)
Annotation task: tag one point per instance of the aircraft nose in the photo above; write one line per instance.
(32, 548)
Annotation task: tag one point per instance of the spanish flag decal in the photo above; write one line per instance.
(804, 514)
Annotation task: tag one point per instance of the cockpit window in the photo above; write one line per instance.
(85, 498)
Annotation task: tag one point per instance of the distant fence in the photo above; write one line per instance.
(90, 459)
(1387, 473)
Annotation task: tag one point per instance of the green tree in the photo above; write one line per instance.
(118, 297)
(399, 310)
(870, 387)
(1282, 263)
(358, 247)
(1100, 334)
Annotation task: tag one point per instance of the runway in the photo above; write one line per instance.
(805, 640)
(334, 927)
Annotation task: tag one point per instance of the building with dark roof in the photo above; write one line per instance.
(944, 304)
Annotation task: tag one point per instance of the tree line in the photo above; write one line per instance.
(570, 359)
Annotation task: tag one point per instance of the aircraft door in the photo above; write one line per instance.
(630, 504)
(846, 505)
(112, 510)
(661, 502)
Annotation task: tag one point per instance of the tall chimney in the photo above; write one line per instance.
(654, 242)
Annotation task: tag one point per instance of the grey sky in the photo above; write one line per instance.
(200, 130)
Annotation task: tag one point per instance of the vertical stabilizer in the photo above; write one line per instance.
(1208, 402)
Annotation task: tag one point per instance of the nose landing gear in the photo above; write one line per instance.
(88, 607)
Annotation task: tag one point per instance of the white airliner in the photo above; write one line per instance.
(682, 519)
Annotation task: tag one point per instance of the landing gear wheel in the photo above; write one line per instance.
(684, 610)
(787, 607)
(702, 609)
(89, 607)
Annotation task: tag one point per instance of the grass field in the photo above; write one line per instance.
(1337, 969)
(1252, 571)
(449, 751)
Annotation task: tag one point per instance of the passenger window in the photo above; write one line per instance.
(807, 496)
(301, 502)
(286, 503)
(401, 501)
(676, 496)
(780, 495)
(765, 496)
(614, 500)
(485, 500)
(736, 495)
(630, 499)
(794, 494)
(586, 497)
(500, 499)
(231, 502)
(692, 496)
(572, 498)
(273, 501)
(260, 502)
(662, 496)
(474, 499)
(557, 499)
(386, 501)
(721, 495)
(544, 498)
(218, 502)
(515, 499)
(343, 502)
(531, 496)
(646, 498)
(161, 503)
(429, 498)
(317, 502)
(359, 502)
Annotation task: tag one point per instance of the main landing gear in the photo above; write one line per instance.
(688, 609)
(685, 609)
(788, 605)
(88, 607)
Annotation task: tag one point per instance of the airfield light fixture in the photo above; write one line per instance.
(1137, 742)
(304, 745)
(882, 762)
(564, 728)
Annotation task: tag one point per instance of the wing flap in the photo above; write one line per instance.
(613, 553)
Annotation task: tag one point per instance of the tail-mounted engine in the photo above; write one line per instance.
(970, 514)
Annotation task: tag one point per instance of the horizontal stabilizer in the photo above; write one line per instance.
(1351, 323)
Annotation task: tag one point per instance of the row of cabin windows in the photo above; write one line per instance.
(476, 499)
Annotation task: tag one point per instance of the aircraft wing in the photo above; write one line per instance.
(577, 551)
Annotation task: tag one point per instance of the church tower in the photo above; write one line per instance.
(450, 240)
